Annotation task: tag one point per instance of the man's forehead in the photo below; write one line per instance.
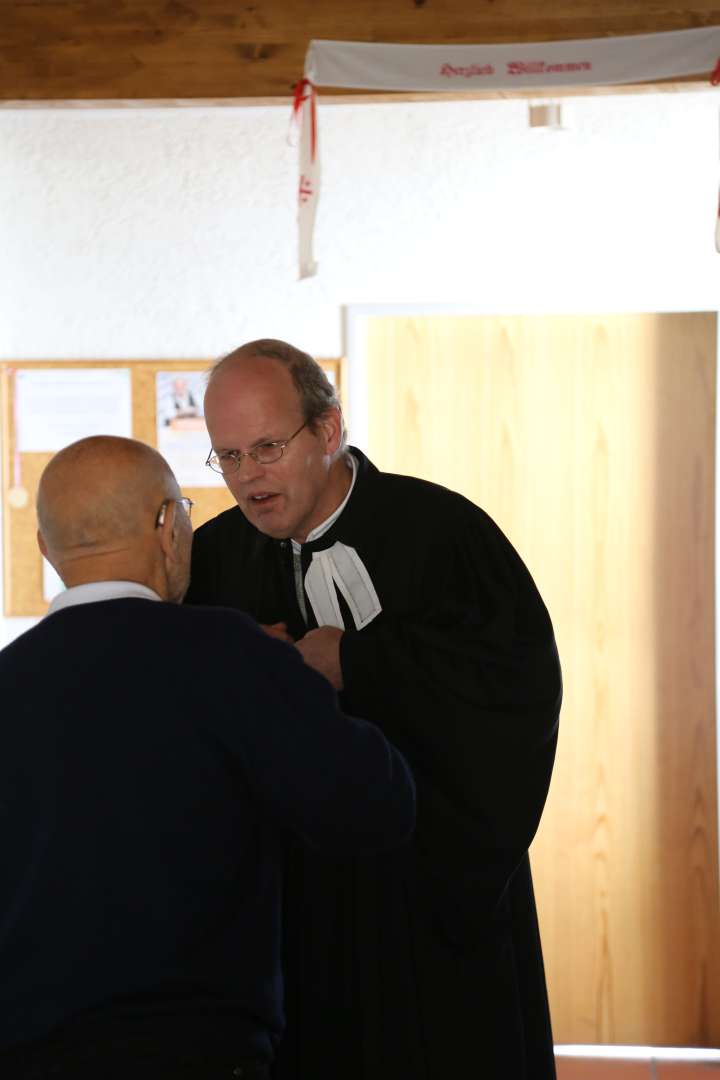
(245, 412)
(254, 365)
(265, 384)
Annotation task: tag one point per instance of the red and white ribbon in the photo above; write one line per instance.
(717, 220)
(537, 65)
(305, 113)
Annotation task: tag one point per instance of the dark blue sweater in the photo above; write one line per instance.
(151, 757)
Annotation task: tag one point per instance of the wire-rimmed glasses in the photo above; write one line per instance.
(228, 461)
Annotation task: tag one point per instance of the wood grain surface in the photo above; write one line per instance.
(181, 49)
(591, 441)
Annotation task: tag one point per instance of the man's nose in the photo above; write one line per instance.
(248, 468)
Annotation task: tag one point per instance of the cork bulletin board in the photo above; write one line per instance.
(22, 561)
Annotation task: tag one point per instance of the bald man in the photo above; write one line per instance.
(152, 759)
(424, 964)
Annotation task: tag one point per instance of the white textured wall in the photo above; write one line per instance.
(171, 233)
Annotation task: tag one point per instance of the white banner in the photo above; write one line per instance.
(537, 65)
(591, 61)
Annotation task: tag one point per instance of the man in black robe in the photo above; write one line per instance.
(425, 964)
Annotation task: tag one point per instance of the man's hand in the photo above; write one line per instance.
(277, 630)
(321, 650)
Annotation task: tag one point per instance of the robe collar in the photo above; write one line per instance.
(327, 524)
(351, 514)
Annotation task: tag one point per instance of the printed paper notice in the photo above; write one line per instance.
(182, 437)
(56, 407)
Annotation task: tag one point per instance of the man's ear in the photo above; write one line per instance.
(42, 545)
(168, 530)
(332, 428)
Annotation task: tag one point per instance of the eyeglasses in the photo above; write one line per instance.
(187, 505)
(228, 461)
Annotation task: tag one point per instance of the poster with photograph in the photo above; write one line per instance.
(182, 437)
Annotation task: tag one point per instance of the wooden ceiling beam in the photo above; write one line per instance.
(214, 49)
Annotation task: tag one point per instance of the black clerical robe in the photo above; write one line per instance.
(424, 964)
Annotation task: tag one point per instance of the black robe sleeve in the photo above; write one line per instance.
(466, 680)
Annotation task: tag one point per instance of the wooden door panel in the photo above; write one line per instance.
(590, 440)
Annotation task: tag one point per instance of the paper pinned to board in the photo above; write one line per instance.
(54, 408)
